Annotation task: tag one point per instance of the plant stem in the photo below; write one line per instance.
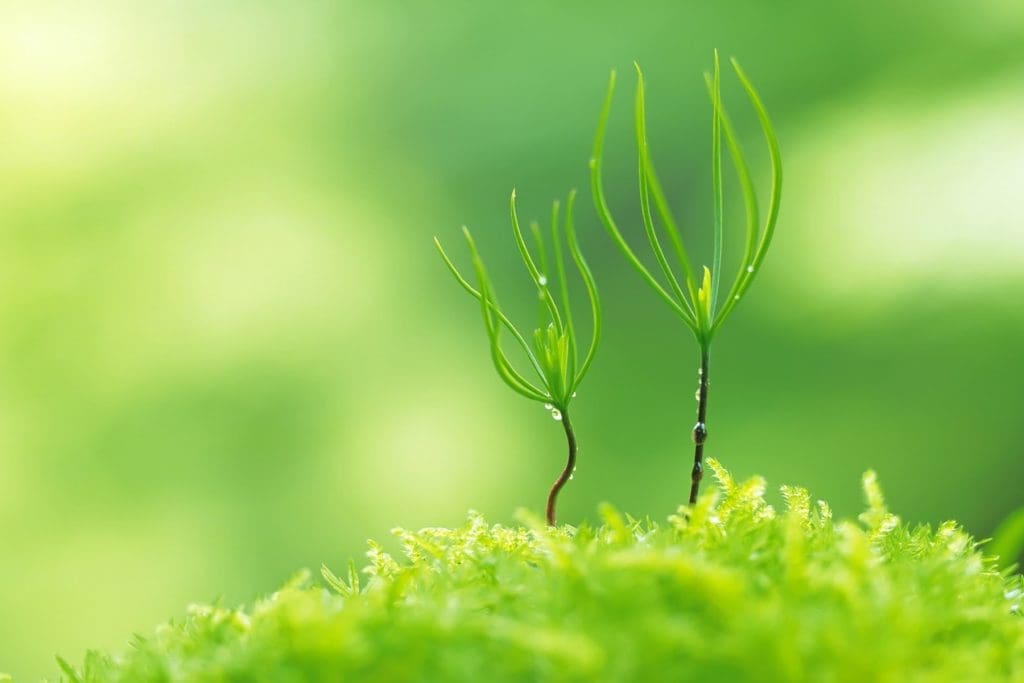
(700, 430)
(570, 465)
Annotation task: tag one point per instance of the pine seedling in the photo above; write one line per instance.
(554, 355)
(699, 306)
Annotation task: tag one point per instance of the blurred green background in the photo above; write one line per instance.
(228, 349)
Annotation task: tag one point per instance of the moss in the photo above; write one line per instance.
(730, 589)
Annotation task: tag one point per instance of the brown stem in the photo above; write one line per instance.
(700, 430)
(570, 465)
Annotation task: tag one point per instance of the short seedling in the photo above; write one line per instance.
(700, 308)
(554, 356)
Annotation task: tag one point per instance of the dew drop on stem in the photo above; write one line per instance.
(750, 269)
(542, 281)
(700, 433)
(556, 414)
(548, 406)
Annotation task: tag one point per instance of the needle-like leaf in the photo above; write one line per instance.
(563, 282)
(716, 187)
(671, 227)
(749, 205)
(542, 268)
(645, 198)
(488, 305)
(601, 204)
(588, 282)
(538, 278)
(476, 295)
(776, 188)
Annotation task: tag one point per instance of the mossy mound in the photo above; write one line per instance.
(731, 590)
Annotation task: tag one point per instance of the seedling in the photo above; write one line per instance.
(699, 307)
(554, 356)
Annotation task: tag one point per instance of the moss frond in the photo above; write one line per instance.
(727, 590)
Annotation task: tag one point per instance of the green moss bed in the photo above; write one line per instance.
(730, 590)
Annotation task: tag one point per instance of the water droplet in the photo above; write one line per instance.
(548, 406)
(700, 433)
(556, 413)
(700, 371)
(737, 297)
(574, 394)
(542, 280)
(571, 477)
(750, 269)
(696, 395)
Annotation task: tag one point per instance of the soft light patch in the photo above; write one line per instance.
(892, 196)
(97, 582)
(85, 88)
(258, 264)
(269, 255)
(13, 468)
(425, 453)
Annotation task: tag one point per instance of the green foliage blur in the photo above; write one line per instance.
(228, 349)
(728, 590)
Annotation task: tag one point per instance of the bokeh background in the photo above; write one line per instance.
(228, 349)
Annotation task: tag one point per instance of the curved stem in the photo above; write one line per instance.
(700, 430)
(570, 465)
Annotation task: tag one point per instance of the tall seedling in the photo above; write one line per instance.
(700, 307)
